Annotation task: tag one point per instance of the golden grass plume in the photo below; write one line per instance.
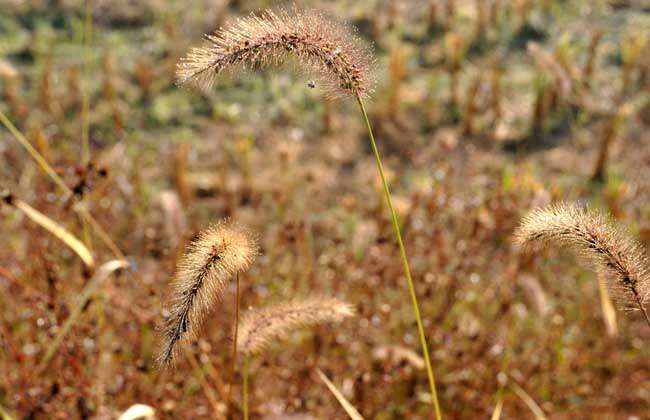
(218, 253)
(261, 327)
(597, 239)
(318, 44)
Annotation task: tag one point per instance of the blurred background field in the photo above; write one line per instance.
(482, 109)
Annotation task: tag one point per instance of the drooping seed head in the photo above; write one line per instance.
(319, 45)
(261, 327)
(210, 261)
(597, 239)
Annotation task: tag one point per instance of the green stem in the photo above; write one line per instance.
(85, 99)
(245, 388)
(407, 270)
(85, 148)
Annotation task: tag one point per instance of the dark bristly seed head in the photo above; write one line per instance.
(320, 45)
(211, 259)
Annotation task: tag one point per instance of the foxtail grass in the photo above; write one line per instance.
(322, 47)
(216, 255)
(262, 327)
(598, 240)
(317, 44)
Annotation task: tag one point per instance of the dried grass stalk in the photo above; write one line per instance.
(53, 227)
(598, 240)
(352, 412)
(215, 256)
(97, 280)
(318, 44)
(261, 327)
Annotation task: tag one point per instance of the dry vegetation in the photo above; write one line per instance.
(114, 181)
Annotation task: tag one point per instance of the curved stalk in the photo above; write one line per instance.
(407, 269)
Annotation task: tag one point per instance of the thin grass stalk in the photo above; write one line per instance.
(245, 387)
(407, 269)
(4, 415)
(55, 229)
(102, 273)
(528, 400)
(59, 182)
(85, 106)
(100, 232)
(85, 158)
(498, 408)
(609, 313)
(101, 365)
(34, 153)
(352, 412)
(215, 377)
(85, 96)
(233, 360)
(200, 376)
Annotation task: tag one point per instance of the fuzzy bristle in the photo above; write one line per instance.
(320, 45)
(260, 327)
(597, 239)
(215, 256)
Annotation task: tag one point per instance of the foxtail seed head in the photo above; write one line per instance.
(261, 327)
(218, 253)
(318, 44)
(598, 240)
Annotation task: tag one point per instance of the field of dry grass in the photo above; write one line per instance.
(482, 111)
